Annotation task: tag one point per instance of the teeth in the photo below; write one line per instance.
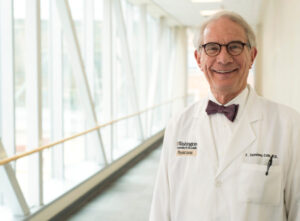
(224, 71)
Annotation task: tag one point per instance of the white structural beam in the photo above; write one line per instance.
(7, 93)
(154, 82)
(107, 70)
(171, 73)
(156, 63)
(10, 187)
(128, 62)
(78, 67)
(56, 79)
(89, 42)
(143, 73)
(164, 73)
(180, 80)
(91, 151)
(184, 47)
(33, 100)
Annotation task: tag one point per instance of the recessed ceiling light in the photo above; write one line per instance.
(206, 13)
(206, 1)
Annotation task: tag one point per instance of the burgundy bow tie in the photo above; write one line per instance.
(229, 111)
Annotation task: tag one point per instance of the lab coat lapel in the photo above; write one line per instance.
(205, 136)
(245, 133)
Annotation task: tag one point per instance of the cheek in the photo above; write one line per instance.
(247, 66)
(201, 67)
(204, 65)
(244, 64)
(247, 63)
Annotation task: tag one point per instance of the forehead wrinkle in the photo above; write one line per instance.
(223, 31)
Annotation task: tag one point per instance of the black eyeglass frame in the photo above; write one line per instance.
(226, 45)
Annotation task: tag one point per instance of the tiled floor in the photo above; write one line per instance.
(128, 198)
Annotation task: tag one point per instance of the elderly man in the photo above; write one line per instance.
(234, 155)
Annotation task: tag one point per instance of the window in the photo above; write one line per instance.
(118, 60)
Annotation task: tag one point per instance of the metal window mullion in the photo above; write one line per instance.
(108, 70)
(78, 68)
(33, 100)
(7, 78)
(128, 61)
(56, 79)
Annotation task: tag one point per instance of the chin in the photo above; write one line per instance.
(224, 87)
(224, 84)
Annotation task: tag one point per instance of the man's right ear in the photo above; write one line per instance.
(197, 57)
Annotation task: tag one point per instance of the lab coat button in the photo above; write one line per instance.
(218, 183)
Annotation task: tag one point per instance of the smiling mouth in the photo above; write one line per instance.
(224, 71)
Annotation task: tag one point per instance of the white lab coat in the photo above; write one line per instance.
(192, 185)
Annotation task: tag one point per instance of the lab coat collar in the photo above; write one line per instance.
(246, 132)
(242, 137)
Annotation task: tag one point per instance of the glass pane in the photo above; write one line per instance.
(126, 132)
(98, 93)
(197, 84)
(19, 41)
(77, 12)
(20, 92)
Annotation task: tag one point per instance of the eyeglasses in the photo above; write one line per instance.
(233, 48)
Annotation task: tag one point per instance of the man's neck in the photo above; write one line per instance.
(223, 97)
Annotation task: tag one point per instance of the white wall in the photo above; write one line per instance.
(277, 69)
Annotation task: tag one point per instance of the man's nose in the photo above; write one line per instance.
(224, 57)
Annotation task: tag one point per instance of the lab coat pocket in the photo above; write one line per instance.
(254, 186)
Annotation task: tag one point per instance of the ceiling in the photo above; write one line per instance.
(188, 13)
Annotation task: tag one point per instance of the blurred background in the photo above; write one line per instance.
(93, 83)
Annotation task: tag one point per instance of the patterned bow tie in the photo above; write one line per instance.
(230, 111)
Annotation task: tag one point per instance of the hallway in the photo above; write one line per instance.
(127, 198)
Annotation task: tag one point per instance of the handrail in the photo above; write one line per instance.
(21, 155)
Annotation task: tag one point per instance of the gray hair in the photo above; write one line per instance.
(198, 40)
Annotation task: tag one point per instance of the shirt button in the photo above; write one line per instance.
(218, 183)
